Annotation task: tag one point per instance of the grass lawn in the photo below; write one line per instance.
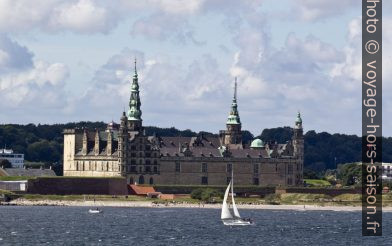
(14, 178)
(317, 182)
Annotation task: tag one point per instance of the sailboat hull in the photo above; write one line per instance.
(236, 222)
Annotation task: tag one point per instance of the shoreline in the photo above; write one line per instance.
(148, 204)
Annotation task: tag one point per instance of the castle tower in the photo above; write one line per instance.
(233, 135)
(134, 112)
(298, 138)
(298, 144)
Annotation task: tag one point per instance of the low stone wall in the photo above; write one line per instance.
(239, 190)
(78, 186)
(326, 191)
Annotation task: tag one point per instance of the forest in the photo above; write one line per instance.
(44, 143)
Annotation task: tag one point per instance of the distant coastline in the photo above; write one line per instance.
(151, 204)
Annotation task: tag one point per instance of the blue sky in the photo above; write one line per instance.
(65, 61)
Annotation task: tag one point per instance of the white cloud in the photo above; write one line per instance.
(29, 87)
(80, 16)
(41, 85)
(162, 26)
(174, 90)
(83, 16)
(310, 10)
(13, 56)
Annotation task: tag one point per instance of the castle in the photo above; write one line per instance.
(125, 150)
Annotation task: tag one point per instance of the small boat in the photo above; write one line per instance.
(226, 216)
(95, 211)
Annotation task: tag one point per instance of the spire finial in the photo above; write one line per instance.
(135, 67)
(235, 88)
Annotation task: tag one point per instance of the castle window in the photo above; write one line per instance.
(141, 154)
(178, 167)
(140, 169)
(133, 169)
(255, 181)
(290, 169)
(133, 154)
(204, 168)
(148, 147)
(155, 169)
(148, 162)
(133, 162)
(141, 162)
(256, 168)
(229, 167)
(155, 162)
(141, 180)
(155, 155)
(148, 169)
(228, 179)
(151, 181)
(204, 180)
(133, 147)
(148, 154)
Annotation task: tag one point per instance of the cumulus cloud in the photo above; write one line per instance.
(13, 56)
(278, 82)
(163, 26)
(309, 10)
(177, 91)
(84, 16)
(29, 87)
(80, 16)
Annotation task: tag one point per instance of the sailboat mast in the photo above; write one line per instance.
(232, 186)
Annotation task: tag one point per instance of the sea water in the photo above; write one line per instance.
(181, 226)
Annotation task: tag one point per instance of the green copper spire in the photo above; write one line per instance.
(134, 112)
(298, 120)
(234, 117)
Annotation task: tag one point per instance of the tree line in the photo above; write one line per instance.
(44, 143)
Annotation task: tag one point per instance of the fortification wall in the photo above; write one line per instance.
(69, 186)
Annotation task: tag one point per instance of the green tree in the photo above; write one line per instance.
(4, 163)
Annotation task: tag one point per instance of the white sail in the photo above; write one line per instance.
(225, 208)
(235, 210)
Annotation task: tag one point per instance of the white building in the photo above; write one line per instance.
(17, 160)
(386, 171)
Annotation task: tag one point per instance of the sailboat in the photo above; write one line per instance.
(226, 216)
(95, 211)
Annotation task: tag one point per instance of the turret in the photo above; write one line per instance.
(85, 142)
(109, 145)
(122, 143)
(97, 142)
